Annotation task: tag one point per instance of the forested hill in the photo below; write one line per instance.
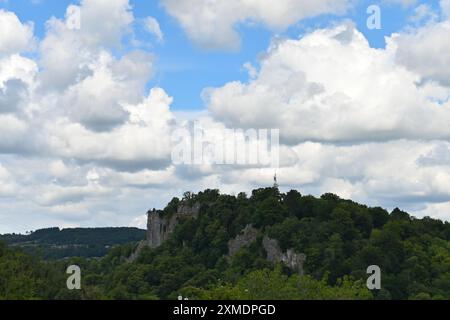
(340, 239)
(55, 243)
(228, 247)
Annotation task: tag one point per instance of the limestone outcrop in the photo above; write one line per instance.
(159, 227)
(290, 258)
(246, 238)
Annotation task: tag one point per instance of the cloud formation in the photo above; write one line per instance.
(331, 86)
(87, 141)
(152, 26)
(15, 36)
(426, 59)
(212, 24)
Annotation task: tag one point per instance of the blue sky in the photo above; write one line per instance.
(88, 115)
(184, 69)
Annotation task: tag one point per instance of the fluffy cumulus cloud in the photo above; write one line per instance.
(115, 17)
(85, 141)
(17, 75)
(427, 59)
(423, 50)
(364, 123)
(15, 36)
(72, 44)
(11, 95)
(212, 24)
(143, 141)
(78, 123)
(331, 86)
(97, 101)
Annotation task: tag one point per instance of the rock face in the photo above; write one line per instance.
(160, 228)
(135, 254)
(290, 258)
(246, 238)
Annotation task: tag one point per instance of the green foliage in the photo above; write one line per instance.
(25, 277)
(53, 243)
(340, 239)
(274, 285)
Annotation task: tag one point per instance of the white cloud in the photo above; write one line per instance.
(7, 185)
(445, 7)
(11, 95)
(331, 86)
(139, 222)
(96, 101)
(86, 142)
(80, 75)
(142, 141)
(252, 72)
(17, 76)
(212, 24)
(424, 51)
(387, 174)
(55, 195)
(58, 169)
(79, 111)
(71, 213)
(15, 36)
(17, 67)
(152, 26)
(423, 13)
(147, 178)
(436, 210)
(67, 53)
(104, 22)
(14, 134)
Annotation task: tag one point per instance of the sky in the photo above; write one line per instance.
(93, 91)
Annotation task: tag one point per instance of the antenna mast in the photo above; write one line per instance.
(275, 181)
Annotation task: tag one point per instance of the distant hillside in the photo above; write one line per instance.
(55, 243)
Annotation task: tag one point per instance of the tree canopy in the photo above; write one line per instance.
(340, 239)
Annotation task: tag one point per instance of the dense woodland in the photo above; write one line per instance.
(55, 243)
(339, 237)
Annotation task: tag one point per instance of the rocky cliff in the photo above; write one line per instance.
(290, 258)
(159, 227)
(246, 238)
